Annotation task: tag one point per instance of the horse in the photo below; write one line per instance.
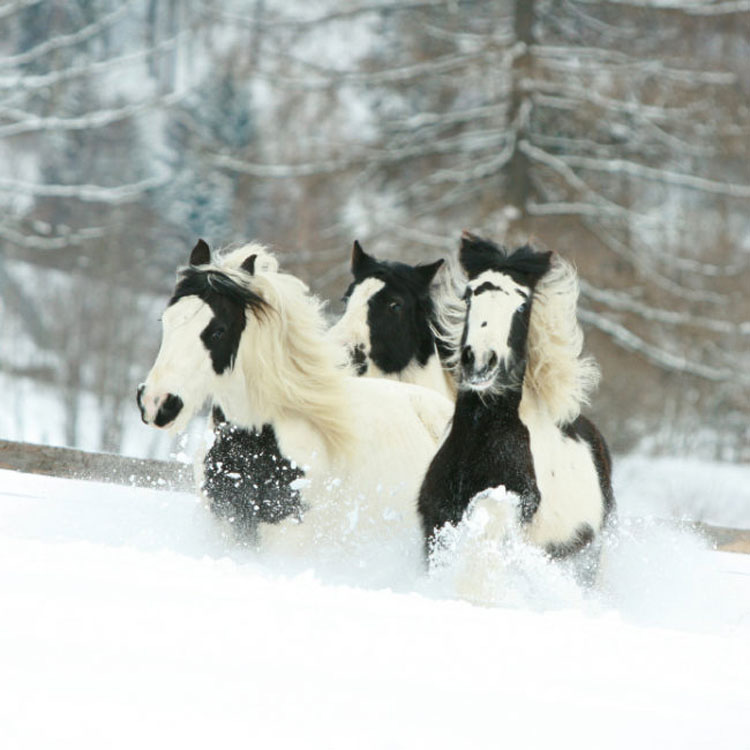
(517, 422)
(387, 330)
(388, 327)
(331, 460)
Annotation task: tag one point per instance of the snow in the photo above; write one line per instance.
(684, 489)
(128, 621)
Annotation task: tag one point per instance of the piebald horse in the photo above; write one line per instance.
(517, 422)
(334, 459)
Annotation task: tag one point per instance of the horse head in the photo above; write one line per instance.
(201, 331)
(387, 321)
(499, 296)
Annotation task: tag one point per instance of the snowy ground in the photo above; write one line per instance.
(127, 621)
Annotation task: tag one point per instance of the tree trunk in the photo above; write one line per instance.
(518, 182)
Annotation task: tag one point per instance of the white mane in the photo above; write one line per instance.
(232, 258)
(289, 365)
(450, 311)
(557, 375)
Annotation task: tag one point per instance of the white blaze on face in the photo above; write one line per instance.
(353, 330)
(493, 299)
(183, 365)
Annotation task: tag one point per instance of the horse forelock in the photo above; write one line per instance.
(208, 282)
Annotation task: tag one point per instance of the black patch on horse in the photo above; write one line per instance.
(168, 411)
(582, 537)
(247, 479)
(228, 301)
(517, 338)
(359, 359)
(399, 315)
(488, 445)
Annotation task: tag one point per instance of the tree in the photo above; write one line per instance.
(611, 131)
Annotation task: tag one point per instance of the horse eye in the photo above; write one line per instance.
(394, 306)
(218, 333)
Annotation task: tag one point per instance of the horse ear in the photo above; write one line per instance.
(249, 263)
(427, 272)
(477, 254)
(361, 261)
(468, 243)
(545, 262)
(201, 254)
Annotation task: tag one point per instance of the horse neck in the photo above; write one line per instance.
(288, 386)
(472, 408)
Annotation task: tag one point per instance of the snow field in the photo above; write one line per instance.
(129, 622)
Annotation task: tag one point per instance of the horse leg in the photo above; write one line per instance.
(490, 520)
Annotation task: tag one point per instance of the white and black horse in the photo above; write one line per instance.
(333, 459)
(389, 326)
(386, 330)
(516, 422)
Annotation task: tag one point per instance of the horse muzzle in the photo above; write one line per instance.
(478, 375)
(160, 411)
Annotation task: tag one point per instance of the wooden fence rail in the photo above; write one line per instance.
(70, 463)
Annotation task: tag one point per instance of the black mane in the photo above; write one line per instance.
(524, 264)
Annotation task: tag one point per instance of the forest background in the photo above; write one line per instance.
(616, 132)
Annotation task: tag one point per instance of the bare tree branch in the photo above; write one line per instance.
(101, 118)
(37, 242)
(665, 360)
(399, 6)
(697, 8)
(25, 82)
(640, 261)
(622, 166)
(88, 193)
(8, 9)
(67, 40)
(626, 303)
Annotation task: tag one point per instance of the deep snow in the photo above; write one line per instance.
(128, 621)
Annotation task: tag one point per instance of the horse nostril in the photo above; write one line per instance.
(467, 357)
(139, 401)
(168, 411)
(493, 360)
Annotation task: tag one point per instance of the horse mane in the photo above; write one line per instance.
(449, 313)
(233, 257)
(296, 369)
(556, 372)
(557, 375)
